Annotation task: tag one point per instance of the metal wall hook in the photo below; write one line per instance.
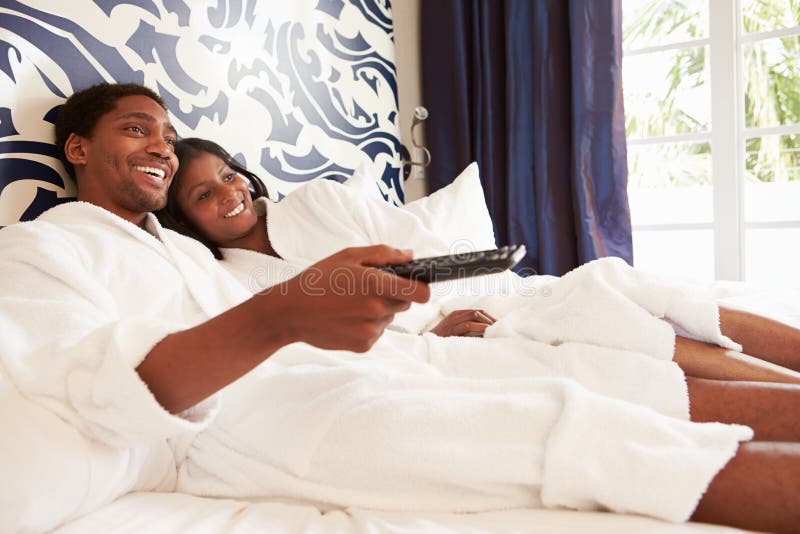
(420, 115)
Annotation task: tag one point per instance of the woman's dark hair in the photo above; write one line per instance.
(172, 217)
(80, 113)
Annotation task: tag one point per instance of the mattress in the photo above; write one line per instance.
(170, 513)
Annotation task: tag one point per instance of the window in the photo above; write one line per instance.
(712, 105)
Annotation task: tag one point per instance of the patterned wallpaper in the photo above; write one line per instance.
(296, 89)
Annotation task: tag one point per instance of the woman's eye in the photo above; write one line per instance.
(204, 195)
(229, 177)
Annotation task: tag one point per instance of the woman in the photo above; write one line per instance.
(211, 199)
(217, 201)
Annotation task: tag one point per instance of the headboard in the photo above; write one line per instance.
(296, 89)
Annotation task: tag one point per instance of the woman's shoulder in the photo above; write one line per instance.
(255, 270)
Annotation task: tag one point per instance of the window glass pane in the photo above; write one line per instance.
(688, 253)
(658, 22)
(773, 158)
(772, 82)
(670, 183)
(773, 256)
(667, 93)
(772, 202)
(772, 182)
(767, 15)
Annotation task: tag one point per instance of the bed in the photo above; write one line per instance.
(151, 512)
(315, 82)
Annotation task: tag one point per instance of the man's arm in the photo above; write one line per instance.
(338, 303)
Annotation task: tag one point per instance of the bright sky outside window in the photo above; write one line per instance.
(709, 203)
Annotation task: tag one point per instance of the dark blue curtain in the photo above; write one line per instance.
(532, 91)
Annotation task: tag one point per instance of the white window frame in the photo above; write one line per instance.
(727, 136)
(727, 119)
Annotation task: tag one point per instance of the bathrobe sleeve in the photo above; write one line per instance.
(66, 346)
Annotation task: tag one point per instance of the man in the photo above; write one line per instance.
(141, 325)
(126, 168)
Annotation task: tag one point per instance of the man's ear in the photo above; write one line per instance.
(75, 149)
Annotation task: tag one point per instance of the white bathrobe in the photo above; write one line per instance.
(84, 296)
(419, 423)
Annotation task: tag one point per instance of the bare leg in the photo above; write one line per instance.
(758, 489)
(771, 410)
(763, 338)
(704, 360)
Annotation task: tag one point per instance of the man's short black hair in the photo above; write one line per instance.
(80, 113)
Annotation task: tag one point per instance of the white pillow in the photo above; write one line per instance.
(457, 212)
(52, 473)
(364, 180)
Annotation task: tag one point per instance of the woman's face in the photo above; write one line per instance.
(215, 199)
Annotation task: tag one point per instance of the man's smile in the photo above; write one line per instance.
(152, 171)
(156, 175)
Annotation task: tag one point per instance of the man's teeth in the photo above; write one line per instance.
(152, 171)
(235, 211)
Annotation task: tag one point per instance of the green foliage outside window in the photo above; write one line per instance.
(771, 74)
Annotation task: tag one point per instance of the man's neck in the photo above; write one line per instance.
(137, 218)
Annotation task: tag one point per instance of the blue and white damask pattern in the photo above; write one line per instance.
(297, 89)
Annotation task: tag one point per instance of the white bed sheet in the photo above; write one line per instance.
(781, 304)
(172, 513)
(169, 513)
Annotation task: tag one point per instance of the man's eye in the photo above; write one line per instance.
(171, 142)
(136, 129)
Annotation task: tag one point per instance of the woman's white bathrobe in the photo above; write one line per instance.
(419, 423)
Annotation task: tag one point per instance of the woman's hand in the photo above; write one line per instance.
(470, 323)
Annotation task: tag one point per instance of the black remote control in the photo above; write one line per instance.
(462, 265)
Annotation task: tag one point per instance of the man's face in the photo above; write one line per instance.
(128, 162)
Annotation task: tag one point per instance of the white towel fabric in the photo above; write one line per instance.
(418, 423)
(389, 430)
(599, 325)
(84, 296)
(84, 300)
(597, 303)
(604, 302)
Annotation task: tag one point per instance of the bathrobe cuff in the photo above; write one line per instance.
(602, 452)
(114, 399)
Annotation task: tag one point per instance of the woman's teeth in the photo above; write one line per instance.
(235, 211)
(152, 171)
